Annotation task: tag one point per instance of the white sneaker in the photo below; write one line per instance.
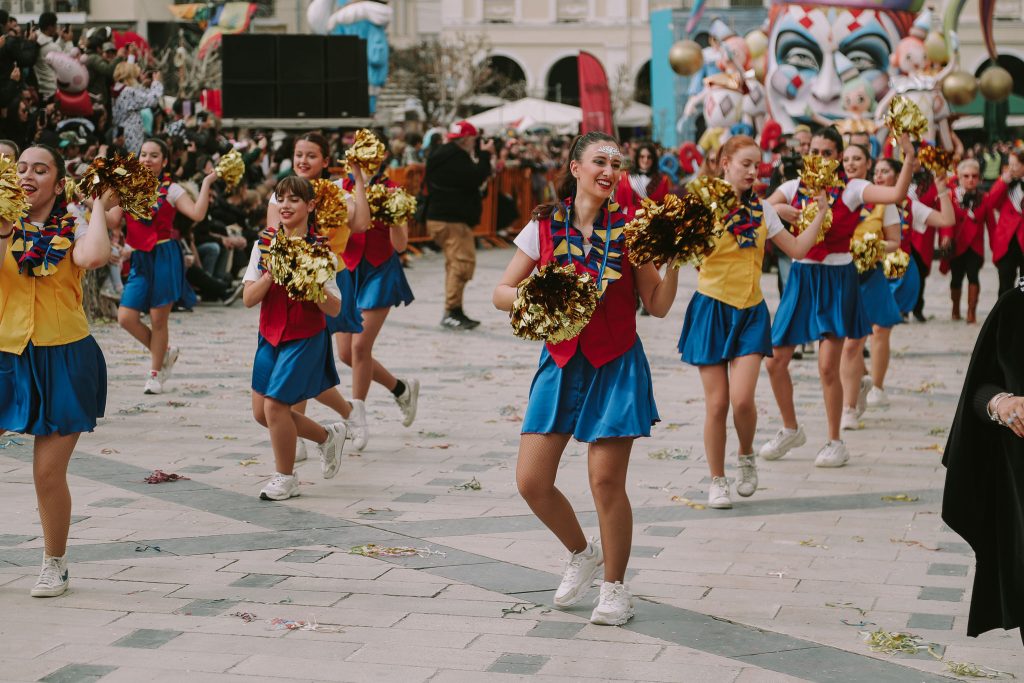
(357, 425)
(849, 419)
(718, 494)
(748, 476)
(614, 606)
(832, 454)
(783, 442)
(862, 395)
(408, 400)
(170, 358)
(53, 579)
(877, 398)
(301, 450)
(154, 385)
(580, 571)
(330, 450)
(281, 487)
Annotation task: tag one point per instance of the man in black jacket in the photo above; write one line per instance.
(454, 205)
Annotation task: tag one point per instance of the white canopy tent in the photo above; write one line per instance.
(635, 115)
(527, 113)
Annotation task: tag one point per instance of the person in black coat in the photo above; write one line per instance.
(454, 204)
(983, 499)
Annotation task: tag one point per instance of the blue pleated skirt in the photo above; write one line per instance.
(879, 303)
(157, 279)
(349, 319)
(907, 289)
(614, 400)
(383, 286)
(294, 371)
(820, 300)
(53, 389)
(715, 332)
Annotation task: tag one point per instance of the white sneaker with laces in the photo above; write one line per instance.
(614, 605)
(170, 358)
(330, 450)
(748, 476)
(580, 571)
(832, 454)
(53, 579)
(849, 419)
(862, 395)
(718, 494)
(783, 442)
(877, 398)
(357, 425)
(408, 400)
(281, 487)
(154, 385)
(301, 450)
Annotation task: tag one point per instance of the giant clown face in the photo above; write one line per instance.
(802, 78)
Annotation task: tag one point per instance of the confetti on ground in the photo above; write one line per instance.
(517, 608)
(687, 502)
(442, 446)
(971, 670)
(933, 447)
(858, 624)
(434, 435)
(249, 461)
(178, 404)
(896, 642)
(670, 454)
(847, 605)
(777, 574)
(374, 550)
(9, 443)
(143, 548)
(278, 624)
(936, 431)
(211, 437)
(911, 543)
(137, 409)
(471, 485)
(160, 477)
(247, 617)
(927, 387)
(373, 511)
(900, 498)
(811, 543)
(109, 451)
(857, 539)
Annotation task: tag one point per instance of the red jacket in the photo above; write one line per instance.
(629, 201)
(968, 232)
(924, 242)
(1009, 225)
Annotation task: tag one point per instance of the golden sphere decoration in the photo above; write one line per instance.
(959, 88)
(995, 83)
(757, 43)
(686, 57)
(935, 48)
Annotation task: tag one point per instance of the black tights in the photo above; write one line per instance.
(922, 274)
(1008, 267)
(967, 263)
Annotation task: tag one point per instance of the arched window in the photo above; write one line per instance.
(508, 80)
(642, 86)
(563, 82)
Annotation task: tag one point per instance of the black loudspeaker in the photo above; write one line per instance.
(300, 59)
(346, 85)
(347, 99)
(300, 100)
(249, 100)
(249, 73)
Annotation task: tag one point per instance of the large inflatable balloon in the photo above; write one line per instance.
(72, 80)
(366, 19)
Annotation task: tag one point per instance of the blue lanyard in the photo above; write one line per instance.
(607, 247)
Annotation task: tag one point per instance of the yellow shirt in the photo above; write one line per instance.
(871, 223)
(44, 310)
(337, 240)
(732, 274)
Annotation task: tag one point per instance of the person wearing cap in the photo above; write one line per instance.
(454, 205)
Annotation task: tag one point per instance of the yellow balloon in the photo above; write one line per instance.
(686, 57)
(757, 42)
(959, 87)
(996, 84)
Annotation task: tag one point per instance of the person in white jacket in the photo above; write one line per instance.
(50, 39)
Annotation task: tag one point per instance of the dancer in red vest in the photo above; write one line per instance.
(157, 277)
(821, 301)
(595, 387)
(293, 360)
(1007, 239)
(643, 181)
(974, 215)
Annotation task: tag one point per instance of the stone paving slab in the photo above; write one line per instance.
(773, 590)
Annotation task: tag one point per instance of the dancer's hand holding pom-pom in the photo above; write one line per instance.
(554, 304)
(817, 176)
(390, 205)
(331, 209)
(231, 169)
(867, 251)
(135, 186)
(895, 264)
(367, 151)
(677, 231)
(13, 202)
(904, 116)
(716, 194)
(300, 267)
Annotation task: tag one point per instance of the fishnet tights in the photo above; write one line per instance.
(49, 472)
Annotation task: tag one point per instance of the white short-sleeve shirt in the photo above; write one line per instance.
(528, 240)
(920, 212)
(174, 193)
(252, 272)
(853, 197)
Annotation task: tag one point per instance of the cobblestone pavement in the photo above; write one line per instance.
(777, 589)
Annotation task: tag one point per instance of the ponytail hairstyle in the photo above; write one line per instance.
(325, 149)
(565, 183)
(164, 150)
(731, 147)
(895, 164)
(61, 171)
(867, 156)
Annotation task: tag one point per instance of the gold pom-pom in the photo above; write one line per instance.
(904, 116)
(331, 208)
(135, 185)
(895, 264)
(390, 205)
(716, 194)
(300, 267)
(937, 160)
(676, 231)
(554, 304)
(13, 203)
(367, 151)
(808, 212)
(867, 251)
(819, 174)
(230, 169)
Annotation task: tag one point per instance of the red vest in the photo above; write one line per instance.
(374, 245)
(283, 319)
(1010, 224)
(612, 329)
(840, 235)
(144, 237)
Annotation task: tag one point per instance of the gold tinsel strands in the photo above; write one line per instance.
(390, 205)
(937, 160)
(367, 151)
(807, 215)
(135, 185)
(554, 304)
(868, 251)
(895, 264)
(331, 209)
(716, 194)
(13, 203)
(300, 267)
(230, 169)
(677, 231)
(817, 175)
(904, 116)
